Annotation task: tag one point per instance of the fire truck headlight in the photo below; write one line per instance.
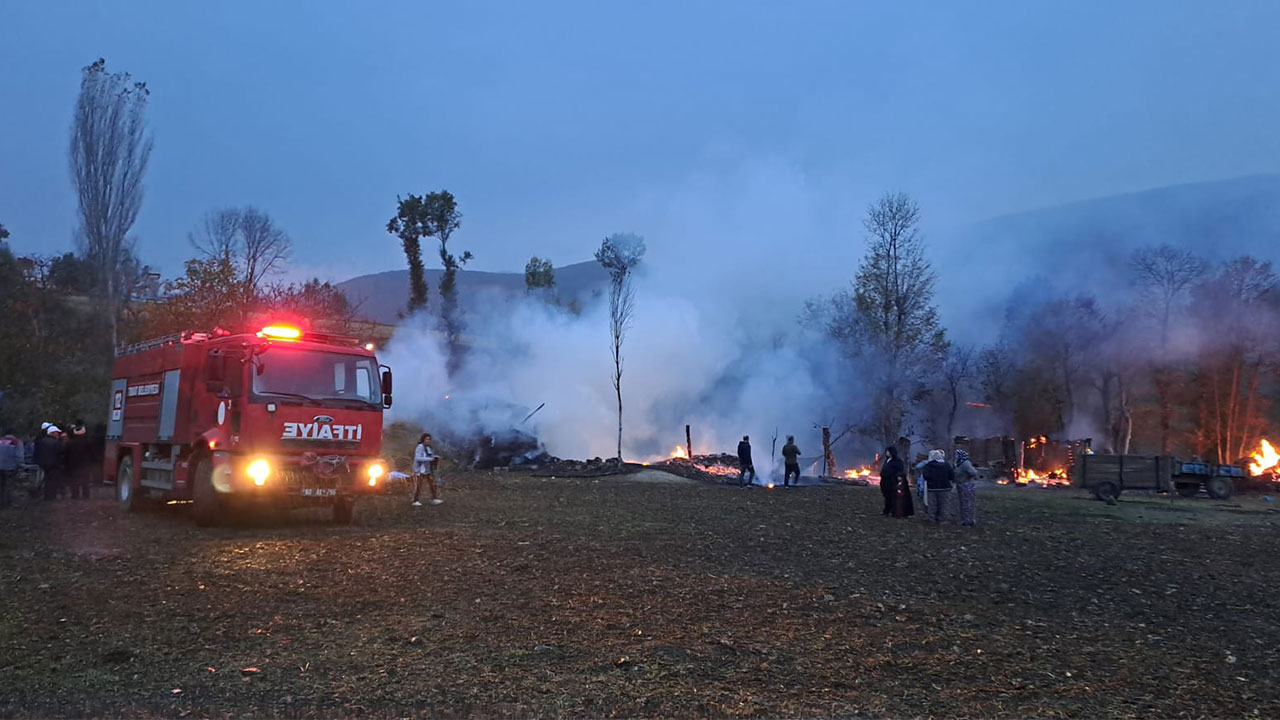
(259, 470)
(375, 472)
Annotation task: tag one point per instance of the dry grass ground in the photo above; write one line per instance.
(523, 596)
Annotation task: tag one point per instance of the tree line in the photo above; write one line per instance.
(1185, 358)
(65, 314)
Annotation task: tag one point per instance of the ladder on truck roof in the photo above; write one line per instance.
(173, 339)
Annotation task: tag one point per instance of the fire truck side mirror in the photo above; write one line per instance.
(386, 386)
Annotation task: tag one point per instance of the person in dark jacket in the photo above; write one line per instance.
(79, 458)
(10, 458)
(744, 462)
(791, 462)
(938, 478)
(893, 485)
(50, 456)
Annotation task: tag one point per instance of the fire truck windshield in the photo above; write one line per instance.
(322, 378)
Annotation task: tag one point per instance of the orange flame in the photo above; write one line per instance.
(1265, 460)
(852, 474)
(1053, 477)
(679, 452)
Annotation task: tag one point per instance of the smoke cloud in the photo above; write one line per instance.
(716, 341)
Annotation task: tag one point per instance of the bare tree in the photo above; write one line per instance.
(1164, 275)
(1062, 334)
(256, 246)
(958, 372)
(1238, 315)
(620, 254)
(898, 335)
(110, 150)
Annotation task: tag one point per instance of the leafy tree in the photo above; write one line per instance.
(51, 366)
(71, 273)
(620, 254)
(208, 295)
(539, 275)
(441, 219)
(894, 327)
(4, 234)
(321, 303)
(409, 224)
(110, 150)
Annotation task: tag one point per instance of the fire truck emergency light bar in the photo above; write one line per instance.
(280, 332)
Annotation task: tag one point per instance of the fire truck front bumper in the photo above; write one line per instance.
(305, 483)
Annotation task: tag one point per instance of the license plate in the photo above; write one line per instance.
(319, 492)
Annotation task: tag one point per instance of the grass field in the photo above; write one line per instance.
(526, 596)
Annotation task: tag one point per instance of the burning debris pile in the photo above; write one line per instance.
(710, 468)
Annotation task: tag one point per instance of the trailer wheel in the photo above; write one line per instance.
(205, 505)
(343, 510)
(1219, 488)
(1107, 491)
(126, 494)
(1188, 490)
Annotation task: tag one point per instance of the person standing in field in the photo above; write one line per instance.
(50, 455)
(79, 451)
(744, 462)
(890, 478)
(424, 470)
(967, 488)
(791, 462)
(938, 477)
(10, 457)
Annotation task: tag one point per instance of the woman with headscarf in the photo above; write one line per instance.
(938, 477)
(967, 489)
(893, 485)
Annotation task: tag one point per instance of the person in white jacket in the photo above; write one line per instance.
(424, 470)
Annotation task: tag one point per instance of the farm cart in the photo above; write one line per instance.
(1109, 475)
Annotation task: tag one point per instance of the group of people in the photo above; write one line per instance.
(936, 479)
(65, 460)
(790, 462)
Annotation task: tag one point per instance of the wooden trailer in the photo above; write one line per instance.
(1109, 475)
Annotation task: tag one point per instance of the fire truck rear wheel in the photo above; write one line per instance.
(205, 505)
(126, 494)
(343, 510)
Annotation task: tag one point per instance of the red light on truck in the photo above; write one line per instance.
(280, 332)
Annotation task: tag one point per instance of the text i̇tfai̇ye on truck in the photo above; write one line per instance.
(279, 416)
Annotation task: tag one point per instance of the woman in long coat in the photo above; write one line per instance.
(893, 485)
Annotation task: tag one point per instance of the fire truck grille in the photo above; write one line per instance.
(293, 479)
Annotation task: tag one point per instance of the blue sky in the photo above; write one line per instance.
(557, 123)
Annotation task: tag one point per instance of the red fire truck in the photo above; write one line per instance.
(280, 416)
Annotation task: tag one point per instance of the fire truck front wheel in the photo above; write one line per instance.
(126, 494)
(205, 505)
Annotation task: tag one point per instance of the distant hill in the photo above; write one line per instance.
(382, 296)
(1085, 246)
